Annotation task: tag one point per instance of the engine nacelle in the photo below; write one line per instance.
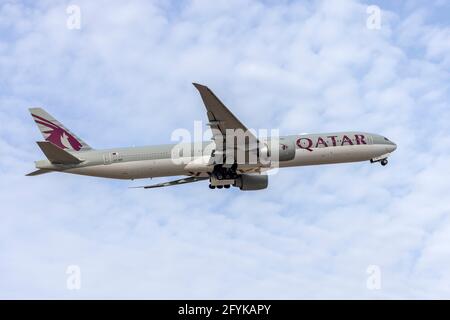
(252, 182)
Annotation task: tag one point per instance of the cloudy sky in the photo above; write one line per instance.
(124, 78)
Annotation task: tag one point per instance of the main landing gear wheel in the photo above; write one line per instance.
(384, 162)
(227, 186)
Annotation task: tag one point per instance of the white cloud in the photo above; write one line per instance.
(124, 79)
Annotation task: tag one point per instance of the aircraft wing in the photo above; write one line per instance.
(38, 172)
(221, 119)
(174, 183)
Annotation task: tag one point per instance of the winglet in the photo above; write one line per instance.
(199, 86)
(57, 155)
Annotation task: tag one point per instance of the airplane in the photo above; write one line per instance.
(216, 160)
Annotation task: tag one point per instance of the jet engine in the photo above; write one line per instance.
(252, 182)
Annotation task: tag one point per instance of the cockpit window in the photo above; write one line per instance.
(386, 139)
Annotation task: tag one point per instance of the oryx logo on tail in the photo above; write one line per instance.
(57, 135)
(53, 131)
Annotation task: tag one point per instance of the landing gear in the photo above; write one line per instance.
(383, 161)
(227, 186)
(223, 177)
(221, 172)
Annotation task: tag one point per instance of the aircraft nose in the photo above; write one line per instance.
(393, 147)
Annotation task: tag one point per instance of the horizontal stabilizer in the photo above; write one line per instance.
(38, 172)
(57, 155)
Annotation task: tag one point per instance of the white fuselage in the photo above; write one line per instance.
(157, 161)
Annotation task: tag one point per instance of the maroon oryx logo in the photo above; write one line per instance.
(57, 135)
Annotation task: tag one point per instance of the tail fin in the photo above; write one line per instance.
(54, 132)
(57, 155)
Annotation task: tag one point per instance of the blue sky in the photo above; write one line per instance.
(125, 79)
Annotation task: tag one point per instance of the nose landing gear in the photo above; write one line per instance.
(383, 161)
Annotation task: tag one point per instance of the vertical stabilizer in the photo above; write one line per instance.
(53, 131)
